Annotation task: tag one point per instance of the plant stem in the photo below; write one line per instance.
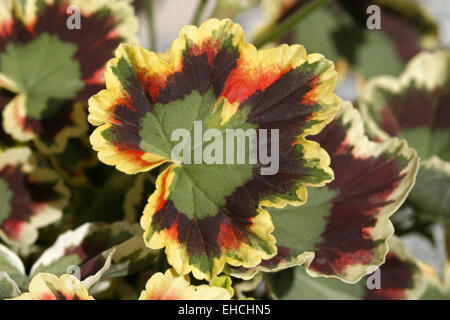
(286, 25)
(151, 24)
(199, 12)
(269, 290)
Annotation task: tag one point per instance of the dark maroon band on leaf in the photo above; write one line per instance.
(396, 277)
(442, 118)
(50, 126)
(280, 107)
(282, 255)
(13, 32)
(364, 186)
(416, 108)
(209, 69)
(27, 195)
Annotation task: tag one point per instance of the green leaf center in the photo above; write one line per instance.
(199, 189)
(44, 70)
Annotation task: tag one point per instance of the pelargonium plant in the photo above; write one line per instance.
(223, 168)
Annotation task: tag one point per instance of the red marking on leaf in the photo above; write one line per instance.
(97, 77)
(229, 237)
(388, 294)
(20, 120)
(241, 83)
(152, 83)
(12, 228)
(6, 28)
(161, 295)
(209, 46)
(396, 277)
(357, 204)
(343, 148)
(47, 296)
(126, 102)
(37, 207)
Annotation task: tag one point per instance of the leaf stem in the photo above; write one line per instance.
(198, 12)
(151, 24)
(269, 290)
(282, 28)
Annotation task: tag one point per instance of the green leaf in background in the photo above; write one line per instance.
(40, 74)
(32, 196)
(416, 107)
(410, 220)
(339, 31)
(343, 228)
(431, 193)
(5, 200)
(93, 246)
(8, 287)
(437, 287)
(11, 264)
(232, 8)
(398, 278)
(136, 197)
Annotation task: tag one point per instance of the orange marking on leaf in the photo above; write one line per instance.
(133, 155)
(173, 231)
(68, 296)
(161, 201)
(310, 97)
